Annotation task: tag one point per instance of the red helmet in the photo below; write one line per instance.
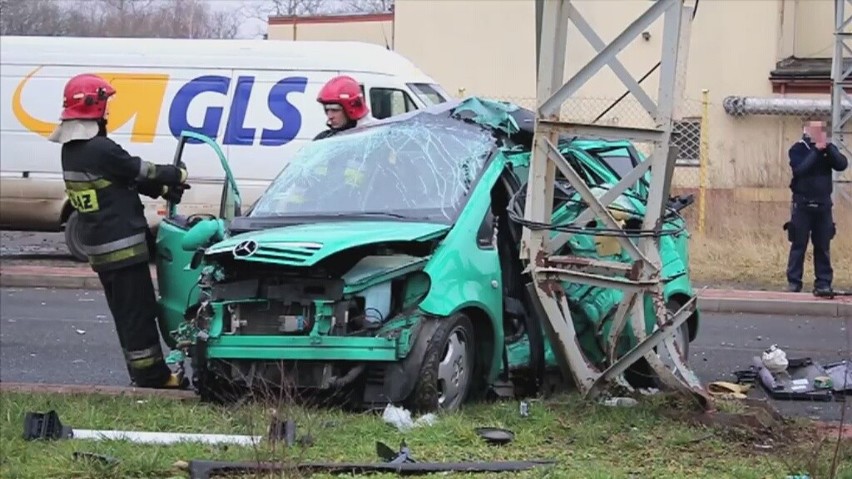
(85, 97)
(344, 91)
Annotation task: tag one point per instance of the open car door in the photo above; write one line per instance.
(176, 278)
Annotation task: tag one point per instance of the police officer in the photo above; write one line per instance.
(345, 106)
(812, 160)
(103, 183)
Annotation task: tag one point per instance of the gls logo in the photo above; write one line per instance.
(141, 97)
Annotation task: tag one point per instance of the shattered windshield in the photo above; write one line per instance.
(422, 168)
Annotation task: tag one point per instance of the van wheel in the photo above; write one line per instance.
(74, 237)
(447, 374)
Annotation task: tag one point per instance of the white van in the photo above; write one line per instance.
(256, 98)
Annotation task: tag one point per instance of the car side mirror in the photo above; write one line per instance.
(204, 232)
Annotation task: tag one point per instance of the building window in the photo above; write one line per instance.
(686, 136)
(387, 102)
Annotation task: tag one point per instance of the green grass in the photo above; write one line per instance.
(588, 441)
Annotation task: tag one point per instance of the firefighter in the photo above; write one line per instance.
(812, 160)
(103, 183)
(345, 106)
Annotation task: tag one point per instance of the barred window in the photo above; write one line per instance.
(686, 136)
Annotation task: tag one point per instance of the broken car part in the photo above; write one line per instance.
(495, 435)
(795, 382)
(48, 426)
(390, 456)
(210, 469)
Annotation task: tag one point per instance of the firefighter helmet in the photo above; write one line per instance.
(85, 98)
(344, 91)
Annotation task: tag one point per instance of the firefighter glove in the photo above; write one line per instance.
(174, 194)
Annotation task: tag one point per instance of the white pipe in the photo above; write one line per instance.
(744, 105)
(164, 437)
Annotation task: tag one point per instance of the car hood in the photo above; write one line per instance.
(308, 244)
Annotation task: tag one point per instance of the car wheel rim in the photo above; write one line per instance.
(453, 370)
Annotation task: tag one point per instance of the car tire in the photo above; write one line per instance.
(640, 373)
(447, 373)
(74, 237)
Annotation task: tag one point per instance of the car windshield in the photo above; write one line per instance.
(421, 168)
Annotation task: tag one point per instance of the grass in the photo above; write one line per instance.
(744, 246)
(588, 441)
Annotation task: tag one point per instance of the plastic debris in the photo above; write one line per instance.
(775, 359)
(401, 419)
(621, 401)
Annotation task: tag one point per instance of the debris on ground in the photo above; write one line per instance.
(775, 359)
(495, 435)
(620, 402)
(728, 390)
(401, 419)
(47, 426)
(803, 379)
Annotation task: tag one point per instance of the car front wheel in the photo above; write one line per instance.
(447, 372)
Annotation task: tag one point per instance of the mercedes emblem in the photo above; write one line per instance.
(245, 249)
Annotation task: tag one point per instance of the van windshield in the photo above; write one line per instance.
(422, 169)
(430, 93)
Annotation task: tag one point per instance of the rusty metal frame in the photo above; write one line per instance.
(538, 250)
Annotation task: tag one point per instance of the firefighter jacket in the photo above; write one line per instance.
(103, 183)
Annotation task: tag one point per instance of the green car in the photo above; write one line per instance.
(382, 266)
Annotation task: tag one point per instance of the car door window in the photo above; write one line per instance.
(387, 102)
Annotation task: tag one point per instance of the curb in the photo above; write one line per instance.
(709, 300)
(732, 305)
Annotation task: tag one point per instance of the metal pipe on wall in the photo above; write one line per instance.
(745, 105)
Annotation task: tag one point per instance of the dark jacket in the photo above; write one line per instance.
(103, 183)
(812, 171)
(333, 131)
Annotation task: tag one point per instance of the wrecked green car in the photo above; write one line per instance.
(382, 265)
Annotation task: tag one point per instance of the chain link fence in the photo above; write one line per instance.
(733, 156)
(688, 135)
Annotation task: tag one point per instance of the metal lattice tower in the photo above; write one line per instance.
(538, 250)
(840, 77)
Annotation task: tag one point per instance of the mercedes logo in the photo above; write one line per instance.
(245, 249)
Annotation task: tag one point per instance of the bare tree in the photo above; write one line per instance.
(369, 6)
(19, 17)
(119, 18)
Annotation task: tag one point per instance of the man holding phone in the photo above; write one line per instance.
(812, 160)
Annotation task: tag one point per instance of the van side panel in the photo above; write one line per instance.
(260, 116)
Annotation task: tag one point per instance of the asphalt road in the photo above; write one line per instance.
(67, 336)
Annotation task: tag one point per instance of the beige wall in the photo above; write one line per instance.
(733, 46)
(486, 47)
(814, 27)
(378, 32)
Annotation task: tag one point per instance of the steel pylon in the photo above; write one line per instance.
(840, 78)
(538, 251)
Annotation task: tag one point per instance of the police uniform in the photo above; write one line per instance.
(103, 183)
(811, 211)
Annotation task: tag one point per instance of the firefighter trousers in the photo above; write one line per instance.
(131, 299)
